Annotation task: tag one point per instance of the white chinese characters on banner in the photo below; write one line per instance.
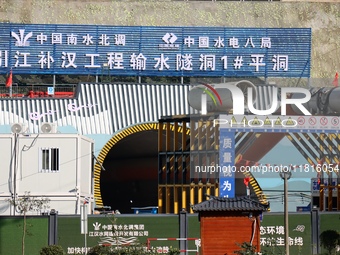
(83, 250)
(114, 60)
(113, 234)
(274, 236)
(118, 230)
(77, 250)
(227, 158)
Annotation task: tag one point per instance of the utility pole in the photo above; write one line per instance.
(84, 223)
(285, 175)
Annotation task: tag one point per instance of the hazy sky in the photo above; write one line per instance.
(286, 154)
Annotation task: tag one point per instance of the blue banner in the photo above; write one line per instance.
(154, 51)
(227, 163)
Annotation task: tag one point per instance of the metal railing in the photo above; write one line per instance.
(37, 90)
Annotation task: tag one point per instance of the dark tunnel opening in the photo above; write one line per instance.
(130, 178)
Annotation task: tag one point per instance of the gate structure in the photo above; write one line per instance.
(184, 143)
(180, 186)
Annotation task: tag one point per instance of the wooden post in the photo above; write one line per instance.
(184, 198)
(200, 192)
(175, 200)
(322, 197)
(338, 203)
(160, 199)
(330, 197)
(167, 199)
(192, 196)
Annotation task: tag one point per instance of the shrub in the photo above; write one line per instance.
(52, 250)
(174, 251)
(99, 250)
(246, 248)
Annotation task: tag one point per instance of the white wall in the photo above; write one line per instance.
(66, 188)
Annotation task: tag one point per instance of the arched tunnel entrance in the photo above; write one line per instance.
(130, 178)
(131, 162)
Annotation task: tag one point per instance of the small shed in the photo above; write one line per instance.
(227, 222)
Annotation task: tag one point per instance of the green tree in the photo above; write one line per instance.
(100, 250)
(329, 239)
(52, 250)
(25, 204)
(246, 248)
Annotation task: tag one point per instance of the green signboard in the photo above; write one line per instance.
(159, 231)
(155, 229)
(273, 234)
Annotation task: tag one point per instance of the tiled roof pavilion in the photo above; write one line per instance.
(243, 203)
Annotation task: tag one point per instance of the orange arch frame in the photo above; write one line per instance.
(120, 135)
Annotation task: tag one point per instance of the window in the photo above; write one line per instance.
(49, 160)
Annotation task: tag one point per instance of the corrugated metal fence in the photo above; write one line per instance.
(106, 108)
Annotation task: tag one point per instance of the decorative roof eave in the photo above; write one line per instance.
(243, 203)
